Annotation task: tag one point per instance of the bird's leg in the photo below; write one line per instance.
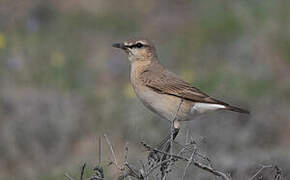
(164, 141)
(168, 142)
(175, 126)
(165, 144)
(174, 132)
(170, 138)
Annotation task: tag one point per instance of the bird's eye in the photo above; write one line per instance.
(139, 45)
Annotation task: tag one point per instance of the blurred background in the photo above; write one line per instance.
(62, 85)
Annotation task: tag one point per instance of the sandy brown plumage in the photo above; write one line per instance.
(162, 81)
(161, 90)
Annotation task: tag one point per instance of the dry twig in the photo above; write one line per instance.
(205, 167)
(165, 159)
(189, 163)
(143, 172)
(68, 176)
(82, 171)
(113, 153)
(278, 172)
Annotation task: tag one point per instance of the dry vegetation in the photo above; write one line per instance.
(160, 164)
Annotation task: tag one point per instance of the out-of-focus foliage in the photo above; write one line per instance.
(61, 83)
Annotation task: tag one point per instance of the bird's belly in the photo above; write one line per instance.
(164, 105)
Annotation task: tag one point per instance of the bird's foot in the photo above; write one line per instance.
(163, 147)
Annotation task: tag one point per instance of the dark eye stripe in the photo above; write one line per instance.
(137, 45)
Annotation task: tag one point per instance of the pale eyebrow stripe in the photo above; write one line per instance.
(142, 42)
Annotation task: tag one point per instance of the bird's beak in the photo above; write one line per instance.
(119, 45)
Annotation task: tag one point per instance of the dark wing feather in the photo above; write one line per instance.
(165, 82)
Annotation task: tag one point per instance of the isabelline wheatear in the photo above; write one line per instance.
(162, 91)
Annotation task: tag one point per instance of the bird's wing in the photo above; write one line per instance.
(165, 82)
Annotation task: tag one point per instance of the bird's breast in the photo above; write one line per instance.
(164, 105)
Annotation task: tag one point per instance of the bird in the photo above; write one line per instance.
(164, 92)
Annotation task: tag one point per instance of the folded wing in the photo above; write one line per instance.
(165, 82)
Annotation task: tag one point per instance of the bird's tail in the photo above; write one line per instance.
(236, 109)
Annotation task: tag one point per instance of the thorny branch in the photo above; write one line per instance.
(145, 170)
(198, 164)
(165, 159)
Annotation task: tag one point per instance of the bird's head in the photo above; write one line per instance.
(138, 49)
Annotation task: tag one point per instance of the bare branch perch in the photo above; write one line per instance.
(165, 159)
(207, 168)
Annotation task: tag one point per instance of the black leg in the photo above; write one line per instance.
(167, 139)
(168, 143)
(164, 145)
(167, 149)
